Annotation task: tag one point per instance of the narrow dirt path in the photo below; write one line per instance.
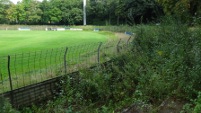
(121, 35)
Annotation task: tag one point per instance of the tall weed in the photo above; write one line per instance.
(171, 57)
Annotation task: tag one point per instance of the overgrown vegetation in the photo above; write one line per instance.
(164, 62)
(6, 107)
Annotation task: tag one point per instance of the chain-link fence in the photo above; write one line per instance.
(22, 69)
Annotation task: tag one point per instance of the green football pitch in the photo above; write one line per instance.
(39, 55)
(26, 41)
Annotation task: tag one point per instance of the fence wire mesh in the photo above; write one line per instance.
(34, 67)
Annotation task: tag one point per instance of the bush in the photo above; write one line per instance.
(99, 87)
(170, 55)
(5, 106)
(197, 108)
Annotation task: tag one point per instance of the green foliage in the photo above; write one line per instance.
(55, 15)
(99, 12)
(139, 11)
(6, 107)
(172, 57)
(197, 108)
(126, 11)
(4, 5)
(33, 13)
(11, 14)
(93, 87)
(71, 11)
(187, 108)
(187, 11)
(45, 6)
(20, 14)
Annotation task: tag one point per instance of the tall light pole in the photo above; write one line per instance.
(84, 12)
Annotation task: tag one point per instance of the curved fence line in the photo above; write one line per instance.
(22, 69)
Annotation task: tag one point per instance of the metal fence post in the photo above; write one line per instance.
(65, 61)
(118, 46)
(128, 40)
(99, 52)
(10, 80)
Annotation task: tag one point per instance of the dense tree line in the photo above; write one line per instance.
(99, 12)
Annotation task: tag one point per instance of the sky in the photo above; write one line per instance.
(15, 1)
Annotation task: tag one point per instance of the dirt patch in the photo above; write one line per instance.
(170, 105)
(124, 37)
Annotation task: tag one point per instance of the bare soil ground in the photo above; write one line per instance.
(122, 36)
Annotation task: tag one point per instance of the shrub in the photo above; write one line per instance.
(169, 55)
(5, 106)
(197, 108)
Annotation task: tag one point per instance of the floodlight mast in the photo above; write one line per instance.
(84, 12)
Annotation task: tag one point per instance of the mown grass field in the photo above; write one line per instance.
(26, 41)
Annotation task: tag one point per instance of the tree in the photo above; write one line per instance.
(123, 11)
(11, 14)
(55, 11)
(55, 15)
(33, 12)
(195, 11)
(141, 10)
(110, 8)
(72, 11)
(184, 10)
(21, 14)
(98, 11)
(45, 6)
(4, 5)
(16, 14)
(120, 11)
